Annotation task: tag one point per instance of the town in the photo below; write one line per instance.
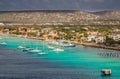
(95, 36)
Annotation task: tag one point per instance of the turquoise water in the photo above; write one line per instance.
(86, 60)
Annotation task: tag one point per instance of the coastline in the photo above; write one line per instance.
(77, 43)
(100, 46)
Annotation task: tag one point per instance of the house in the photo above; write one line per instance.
(116, 37)
(96, 38)
(100, 39)
(91, 38)
(2, 24)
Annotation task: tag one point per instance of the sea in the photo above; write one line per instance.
(78, 62)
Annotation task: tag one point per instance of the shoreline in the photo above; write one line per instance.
(77, 43)
(100, 46)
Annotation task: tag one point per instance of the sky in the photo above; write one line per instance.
(85, 5)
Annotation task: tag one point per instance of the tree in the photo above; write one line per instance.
(110, 40)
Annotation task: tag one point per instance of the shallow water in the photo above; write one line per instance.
(74, 63)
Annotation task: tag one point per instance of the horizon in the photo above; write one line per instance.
(55, 10)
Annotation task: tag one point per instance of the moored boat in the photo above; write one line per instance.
(106, 72)
(35, 51)
(3, 43)
(21, 47)
(58, 50)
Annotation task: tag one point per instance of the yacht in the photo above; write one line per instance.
(21, 47)
(58, 50)
(67, 44)
(3, 43)
(27, 49)
(62, 43)
(42, 53)
(51, 47)
(35, 51)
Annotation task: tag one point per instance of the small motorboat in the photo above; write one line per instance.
(3, 43)
(106, 72)
(42, 53)
(58, 50)
(27, 49)
(51, 47)
(35, 51)
(21, 47)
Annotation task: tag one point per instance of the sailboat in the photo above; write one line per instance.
(58, 50)
(36, 50)
(21, 47)
(24, 48)
(50, 47)
(2, 43)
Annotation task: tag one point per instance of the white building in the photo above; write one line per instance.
(96, 38)
(2, 24)
(91, 38)
(116, 37)
(100, 39)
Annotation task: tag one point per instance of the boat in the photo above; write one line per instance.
(21, 47)
(51, 47)
(58, 50)
(41, 53)
(67, 44)
(35, 50)
(27, 49)
(3, 43)
(106, 72)
(62, 43)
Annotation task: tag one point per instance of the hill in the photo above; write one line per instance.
(56, 16)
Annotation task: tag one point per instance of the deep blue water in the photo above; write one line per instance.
(74, 63)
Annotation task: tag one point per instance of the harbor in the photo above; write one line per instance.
(72, 63)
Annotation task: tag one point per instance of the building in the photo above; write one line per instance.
(116, 37)
(91, 38)
(96, 38)
(100, 39)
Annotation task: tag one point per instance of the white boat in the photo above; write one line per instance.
(3, 43)
(35, 51)
(62, 43)
(67, 44)
(51, 47)
(27, 49)
(21, 47)
(58, 50)
(53, 42)
(42, 53)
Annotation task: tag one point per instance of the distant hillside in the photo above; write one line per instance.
(108, 15)
(56, 16)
